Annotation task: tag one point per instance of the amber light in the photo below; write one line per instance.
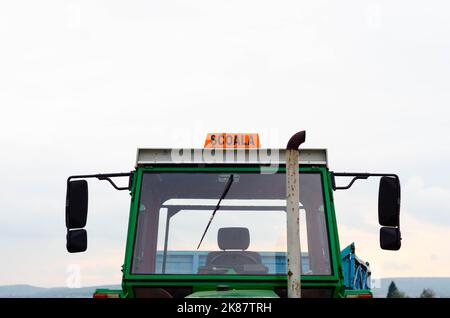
(359, 296)
(105, 295)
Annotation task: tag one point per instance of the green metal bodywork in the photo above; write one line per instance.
(349, 293)
(240, 293)
(239, 285)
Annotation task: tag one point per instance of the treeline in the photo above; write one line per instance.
(394, 292)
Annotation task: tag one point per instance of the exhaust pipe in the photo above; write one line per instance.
(292, 209)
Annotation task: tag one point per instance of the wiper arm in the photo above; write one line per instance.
(225, 191)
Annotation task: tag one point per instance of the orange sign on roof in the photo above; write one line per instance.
(232, 140)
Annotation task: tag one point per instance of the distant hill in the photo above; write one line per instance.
(27, 291)
(412, 286)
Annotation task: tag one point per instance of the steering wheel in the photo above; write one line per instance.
(216, 270)
(252, 260)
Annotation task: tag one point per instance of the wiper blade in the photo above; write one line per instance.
(227, 188)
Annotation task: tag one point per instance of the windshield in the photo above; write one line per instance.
(247, 235)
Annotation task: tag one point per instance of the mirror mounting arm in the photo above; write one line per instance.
(107, 177)
(356, 176)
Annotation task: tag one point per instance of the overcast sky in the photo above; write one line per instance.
(83, 84)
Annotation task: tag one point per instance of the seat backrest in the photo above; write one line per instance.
(233, 238)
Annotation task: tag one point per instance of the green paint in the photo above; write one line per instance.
(236, 293)
(110, 291)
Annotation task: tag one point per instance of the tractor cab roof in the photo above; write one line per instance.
(150, 156)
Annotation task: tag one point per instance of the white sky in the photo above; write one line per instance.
(82, 84)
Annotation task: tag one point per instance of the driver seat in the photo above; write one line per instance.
(233, 242)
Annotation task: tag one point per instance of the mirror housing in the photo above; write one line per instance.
(389, 202)
(390, 238)
(76, 204)
(76, 241)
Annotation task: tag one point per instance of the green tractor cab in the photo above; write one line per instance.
(213, 223)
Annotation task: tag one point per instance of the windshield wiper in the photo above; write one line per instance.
(225, 191)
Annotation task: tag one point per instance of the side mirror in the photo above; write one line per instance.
(389, 202)
(76, 204)
(76, 241)
(390, 238)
